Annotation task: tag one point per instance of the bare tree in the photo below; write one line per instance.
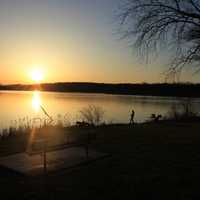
(152, 24)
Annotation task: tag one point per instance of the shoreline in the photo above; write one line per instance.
(188, 93)
(155, 159)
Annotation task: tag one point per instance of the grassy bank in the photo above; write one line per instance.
(149, 161)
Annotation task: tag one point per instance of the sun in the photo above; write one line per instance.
(37, 75)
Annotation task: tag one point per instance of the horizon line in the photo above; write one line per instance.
(88, 82)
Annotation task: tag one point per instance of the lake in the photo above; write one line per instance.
(17, 105)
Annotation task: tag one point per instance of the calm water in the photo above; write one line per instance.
(16, 105)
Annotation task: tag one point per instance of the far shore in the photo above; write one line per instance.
(143, 89)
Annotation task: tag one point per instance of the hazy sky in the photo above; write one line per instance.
(69, 40)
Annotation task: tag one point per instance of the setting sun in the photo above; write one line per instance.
(37, 75)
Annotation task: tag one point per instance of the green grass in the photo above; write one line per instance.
(149, 161)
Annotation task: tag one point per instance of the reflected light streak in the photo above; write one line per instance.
(36, 101)
(30, 141)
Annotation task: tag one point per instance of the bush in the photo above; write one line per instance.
(92, 114)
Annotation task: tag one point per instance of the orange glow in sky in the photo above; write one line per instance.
(37, 75)
(58, 36)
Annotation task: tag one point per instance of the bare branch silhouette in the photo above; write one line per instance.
(150, 24)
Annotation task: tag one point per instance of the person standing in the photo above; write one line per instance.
(132, 118)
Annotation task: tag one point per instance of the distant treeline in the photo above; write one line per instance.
(160, 89)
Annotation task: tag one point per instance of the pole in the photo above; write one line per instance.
(44, 159)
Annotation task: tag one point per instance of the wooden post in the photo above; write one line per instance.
(44, 158)
(87, 148)
(87, 151)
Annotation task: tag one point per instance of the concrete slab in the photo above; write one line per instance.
(56, 160)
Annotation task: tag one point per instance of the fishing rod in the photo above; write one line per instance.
(46, 113)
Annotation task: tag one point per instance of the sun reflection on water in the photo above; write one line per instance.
(36, 101)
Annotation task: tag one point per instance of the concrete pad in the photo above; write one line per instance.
(56, 160)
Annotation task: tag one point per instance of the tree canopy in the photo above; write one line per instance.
(150, 24)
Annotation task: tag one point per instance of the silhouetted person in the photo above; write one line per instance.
(132, 118)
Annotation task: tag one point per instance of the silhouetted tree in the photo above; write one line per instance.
(152, 24)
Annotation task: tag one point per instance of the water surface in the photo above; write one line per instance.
(17, 105)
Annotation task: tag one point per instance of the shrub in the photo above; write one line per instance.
(92, 114)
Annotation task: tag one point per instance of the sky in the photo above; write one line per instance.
(69, 41)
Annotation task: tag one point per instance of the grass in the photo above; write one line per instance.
(149, 161)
